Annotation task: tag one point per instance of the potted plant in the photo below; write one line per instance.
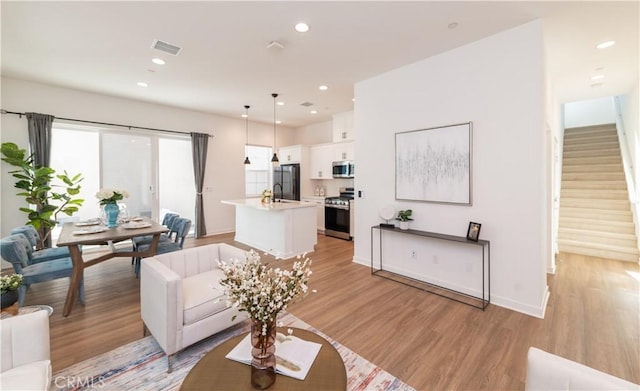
(35, 184)
(9, 289)
(404, 216)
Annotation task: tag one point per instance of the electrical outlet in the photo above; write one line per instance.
(413, 254)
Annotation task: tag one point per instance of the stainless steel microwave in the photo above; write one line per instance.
(343, 169)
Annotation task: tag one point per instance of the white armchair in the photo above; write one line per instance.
(25, 361)
(181, 299)
(546, 371)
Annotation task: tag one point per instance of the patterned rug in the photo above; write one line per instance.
(142, 365)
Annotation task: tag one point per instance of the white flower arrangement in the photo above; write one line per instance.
(10, 283)
(111, 196)
(262, 291)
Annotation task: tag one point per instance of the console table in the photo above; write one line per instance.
(484, 245)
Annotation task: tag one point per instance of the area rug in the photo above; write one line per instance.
(142, 365)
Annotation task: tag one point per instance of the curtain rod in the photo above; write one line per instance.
(102, 123)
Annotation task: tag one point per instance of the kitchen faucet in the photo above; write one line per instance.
(281, 191)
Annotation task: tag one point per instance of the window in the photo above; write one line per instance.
(156, 170)
(258, 173)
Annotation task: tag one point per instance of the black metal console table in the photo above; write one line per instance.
(482, 302)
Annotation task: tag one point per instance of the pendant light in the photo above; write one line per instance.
(246, 115)
(274, 159)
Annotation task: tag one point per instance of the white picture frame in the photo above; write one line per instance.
(434, 164)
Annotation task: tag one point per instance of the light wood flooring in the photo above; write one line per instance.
(429, 342)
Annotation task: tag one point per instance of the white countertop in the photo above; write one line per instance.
(274, 206)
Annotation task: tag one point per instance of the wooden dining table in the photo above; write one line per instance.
(74, 235)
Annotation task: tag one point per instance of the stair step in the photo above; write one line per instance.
(621, 226)
(610, 185)
(596, 176)
(592, 153)
(609, 253)
(591, 139)
(609, 145)
(595, 203)
(589, 160)
(617, 167)
(595, 213)
(600, 194)
(593, 237)
(591, 129)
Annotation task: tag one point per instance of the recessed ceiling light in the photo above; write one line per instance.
(280, 103)
(313, 112)
(158, 61)
(597, 77)
(323, 88)
(606, 44)
(596, 85)
(278, 121)
(353, 99)
(302, 27)
(453, 25)
(245, 116)
(142, 84)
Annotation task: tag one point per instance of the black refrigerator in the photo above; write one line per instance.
(286, 182)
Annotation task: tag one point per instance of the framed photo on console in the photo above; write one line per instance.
(473, 232)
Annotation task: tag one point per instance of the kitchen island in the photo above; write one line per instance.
(283, 229)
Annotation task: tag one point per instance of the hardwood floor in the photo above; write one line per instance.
(429, 342)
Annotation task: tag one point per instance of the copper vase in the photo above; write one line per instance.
(263, 364)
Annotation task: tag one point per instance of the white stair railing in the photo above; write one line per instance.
(627, 164)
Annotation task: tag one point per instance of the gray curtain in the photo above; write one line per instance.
(199, 142)
(39, 126)
(40, 137)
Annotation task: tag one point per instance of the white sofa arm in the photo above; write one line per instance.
(161, 303)
(25, 339)
(546, 371)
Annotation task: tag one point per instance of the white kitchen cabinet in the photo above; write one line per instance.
(319, 201)
(344, 151)
(321, 157)
(343, 127)
(290, 154)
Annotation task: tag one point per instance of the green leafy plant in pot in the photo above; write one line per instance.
(35, 183)
(404, 216)
(9, 289)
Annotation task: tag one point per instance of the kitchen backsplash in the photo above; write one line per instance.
(331, 186)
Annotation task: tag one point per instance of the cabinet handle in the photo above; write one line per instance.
(344, 135)
(344, 155)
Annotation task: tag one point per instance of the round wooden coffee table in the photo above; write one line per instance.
(215, 372)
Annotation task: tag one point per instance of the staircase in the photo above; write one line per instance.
(595, 212)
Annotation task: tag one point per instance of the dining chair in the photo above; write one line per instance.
(15, 249)
(182, 226)
(37, 256)
(167, 221)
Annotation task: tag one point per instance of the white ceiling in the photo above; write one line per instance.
(105, 47)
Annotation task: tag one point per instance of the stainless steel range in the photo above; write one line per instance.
(337, 219)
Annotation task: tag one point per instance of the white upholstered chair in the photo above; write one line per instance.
(25, 357)
(181, 299)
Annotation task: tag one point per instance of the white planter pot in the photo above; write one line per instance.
(404, 225)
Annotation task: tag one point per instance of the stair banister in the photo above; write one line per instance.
(627, 164)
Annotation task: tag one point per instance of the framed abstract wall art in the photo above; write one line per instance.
(434, 165)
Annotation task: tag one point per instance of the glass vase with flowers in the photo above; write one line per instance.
(262, 292)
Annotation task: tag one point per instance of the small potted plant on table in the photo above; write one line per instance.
(404, 216)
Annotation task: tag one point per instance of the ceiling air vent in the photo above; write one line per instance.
(166, 47)
(306, 104)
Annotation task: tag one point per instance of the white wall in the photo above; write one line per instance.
(498, 84)
(225, 169)
(589, 112)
